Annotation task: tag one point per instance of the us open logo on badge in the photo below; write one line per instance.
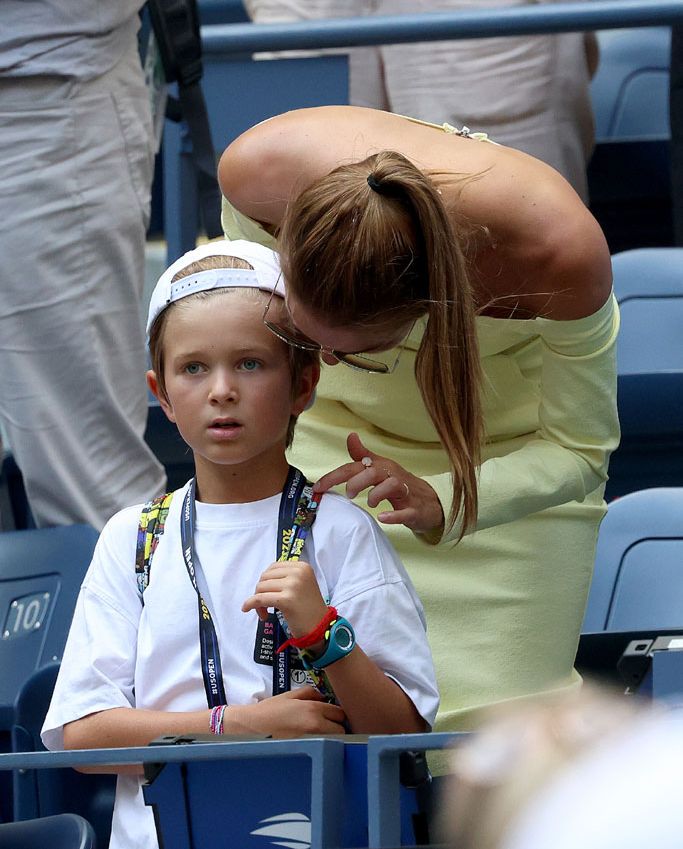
(292, 830)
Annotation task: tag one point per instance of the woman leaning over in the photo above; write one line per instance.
(490, 436)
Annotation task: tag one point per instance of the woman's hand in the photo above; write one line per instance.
(291, 586)
(415, 503)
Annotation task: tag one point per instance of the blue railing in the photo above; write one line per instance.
(327, 776)
(441, 26)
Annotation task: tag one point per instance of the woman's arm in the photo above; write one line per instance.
(567, 457)
(578, 425)
(564, 460)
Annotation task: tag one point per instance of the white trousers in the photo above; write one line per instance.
(77, 163)
(527, 92)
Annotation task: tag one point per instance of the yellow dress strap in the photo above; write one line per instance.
(464, 132)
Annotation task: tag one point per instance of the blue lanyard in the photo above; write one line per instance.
(290, 542)
(296, 515)
(212, 671)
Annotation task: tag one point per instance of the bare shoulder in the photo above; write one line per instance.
(573, 264)
(278, 158)
(545, 251)
(547, 248)
(580, 267)
(275, 160)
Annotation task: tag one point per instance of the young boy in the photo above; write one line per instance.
(133, 668)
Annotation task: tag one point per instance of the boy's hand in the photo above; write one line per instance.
(291, 715)
(292, 587)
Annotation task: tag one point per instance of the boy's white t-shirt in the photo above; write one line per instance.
(120, 653)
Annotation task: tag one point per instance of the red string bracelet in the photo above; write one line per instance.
(314, 636)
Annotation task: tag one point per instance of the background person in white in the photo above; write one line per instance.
(530, 92)
(77, 155)
(131, 673)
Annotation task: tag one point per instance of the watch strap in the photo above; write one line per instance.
(341, 641)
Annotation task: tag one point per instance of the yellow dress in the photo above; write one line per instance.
(504, 606)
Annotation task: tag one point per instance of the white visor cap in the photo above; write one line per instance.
(265, 276)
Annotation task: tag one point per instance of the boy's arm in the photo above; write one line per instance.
(121, 727)
(291, 714)
(373, 702)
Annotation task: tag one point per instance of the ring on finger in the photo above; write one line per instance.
(366, 461)
(407, 489)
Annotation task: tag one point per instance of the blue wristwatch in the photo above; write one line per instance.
(341, 642)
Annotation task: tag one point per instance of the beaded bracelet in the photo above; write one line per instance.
(216, 720)
(314, 636)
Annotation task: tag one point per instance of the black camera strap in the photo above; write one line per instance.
(176, 29)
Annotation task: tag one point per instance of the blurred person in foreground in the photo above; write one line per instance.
(590, 770)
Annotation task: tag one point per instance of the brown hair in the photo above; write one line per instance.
(372, 241)
(298, 359)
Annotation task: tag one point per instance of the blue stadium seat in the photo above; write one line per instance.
(630, 90)
(66, 831)
(628, 175)
(239, 93)
(45, 792)
(648, 284)
(40, 576)
(638, 579)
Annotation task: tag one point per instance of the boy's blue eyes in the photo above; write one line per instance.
(245, 365)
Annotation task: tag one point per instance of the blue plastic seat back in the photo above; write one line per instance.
(649, 287)
(66, 831)
(630, 90)
(46, 792)
(40, 576)
(629, 173)
(638, 579)
(648, 284)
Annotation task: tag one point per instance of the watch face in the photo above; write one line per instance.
(343, 637)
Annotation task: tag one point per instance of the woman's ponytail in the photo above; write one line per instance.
(373, 241)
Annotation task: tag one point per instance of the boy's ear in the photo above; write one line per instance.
(305, 395)
(155, 389)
